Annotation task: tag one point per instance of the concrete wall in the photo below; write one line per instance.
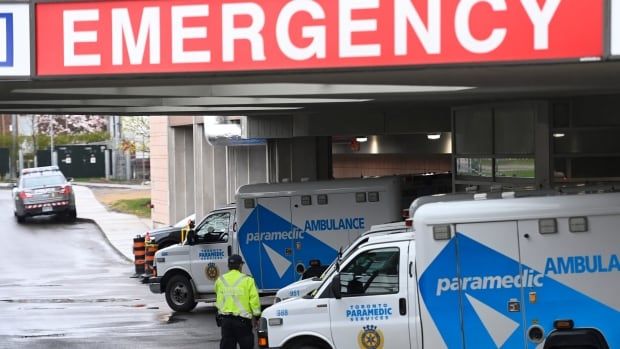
(160, 191)
(181, 173)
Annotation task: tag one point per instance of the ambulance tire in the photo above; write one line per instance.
(309, 346)
(180, 294)
(20, 219)
(306, 344)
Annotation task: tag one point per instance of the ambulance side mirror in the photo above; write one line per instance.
(335, 287)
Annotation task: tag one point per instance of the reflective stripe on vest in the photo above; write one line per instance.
(233, 293)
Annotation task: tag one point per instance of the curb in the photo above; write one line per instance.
(105, 237)
(112, 186)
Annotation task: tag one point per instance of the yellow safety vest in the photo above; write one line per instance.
(236, 294)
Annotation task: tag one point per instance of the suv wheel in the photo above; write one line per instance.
(71, 216)
(179, 294)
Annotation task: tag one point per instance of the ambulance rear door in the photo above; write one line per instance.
(490, 285)
(577, 274)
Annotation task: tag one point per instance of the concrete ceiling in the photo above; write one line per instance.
(306, 92)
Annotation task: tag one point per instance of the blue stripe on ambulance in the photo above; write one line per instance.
(555, 300)
(256, 250)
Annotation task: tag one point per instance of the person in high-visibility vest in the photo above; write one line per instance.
(238, 306)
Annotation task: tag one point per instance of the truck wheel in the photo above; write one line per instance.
(179, 294)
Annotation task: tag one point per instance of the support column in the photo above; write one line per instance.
(297, 159)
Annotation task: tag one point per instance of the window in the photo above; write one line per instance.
(321, 199)
(40, 181)
(373, 272)
(373, 196)
(479, 167)
(360, 197)
(214, 229)
(515, 168)
(249, 203)
(306, 200)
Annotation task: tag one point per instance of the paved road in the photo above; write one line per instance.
(62, 286)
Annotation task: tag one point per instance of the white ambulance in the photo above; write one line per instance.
(536, 273)
(278, 229)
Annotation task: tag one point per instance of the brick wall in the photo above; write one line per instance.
(358, 165)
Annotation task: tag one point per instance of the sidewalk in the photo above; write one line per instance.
(118, 228)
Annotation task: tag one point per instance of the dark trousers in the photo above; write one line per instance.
(236, 330)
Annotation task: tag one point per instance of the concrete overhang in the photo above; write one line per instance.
(314, 91)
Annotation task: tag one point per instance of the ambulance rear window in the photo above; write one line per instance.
(248, 203)
(373, 196)
(360, 197)
(306, 200)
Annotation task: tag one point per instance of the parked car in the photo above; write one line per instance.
(170, 235)
(43, 191)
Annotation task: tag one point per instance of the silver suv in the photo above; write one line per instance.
(43, 191)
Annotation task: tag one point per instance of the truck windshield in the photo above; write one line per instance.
(42, 181)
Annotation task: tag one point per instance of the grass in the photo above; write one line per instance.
(140, 207)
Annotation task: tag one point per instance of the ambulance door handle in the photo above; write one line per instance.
(321, 306)
(402, 306)
(410, 269)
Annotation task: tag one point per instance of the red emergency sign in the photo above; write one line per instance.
(175, 36)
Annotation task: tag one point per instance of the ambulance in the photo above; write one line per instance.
(537, 272)
(277, 229)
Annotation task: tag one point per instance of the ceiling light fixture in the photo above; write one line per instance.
(558, 135)
(433, 136)
(362, 139)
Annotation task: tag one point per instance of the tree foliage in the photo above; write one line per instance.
(71, 124)
(137, 131)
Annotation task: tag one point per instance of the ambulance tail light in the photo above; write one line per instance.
(563, 324)
(409, 222)
(405, 213)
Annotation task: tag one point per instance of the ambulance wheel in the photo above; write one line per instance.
(306, 344)
(179, 294)
(20, 219)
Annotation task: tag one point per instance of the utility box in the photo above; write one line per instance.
(79, 161)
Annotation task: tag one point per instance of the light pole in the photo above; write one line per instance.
(52, 140)
(13, 144)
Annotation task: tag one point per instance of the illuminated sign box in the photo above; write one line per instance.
(128, 37)
(14, 40)
(615, 28)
